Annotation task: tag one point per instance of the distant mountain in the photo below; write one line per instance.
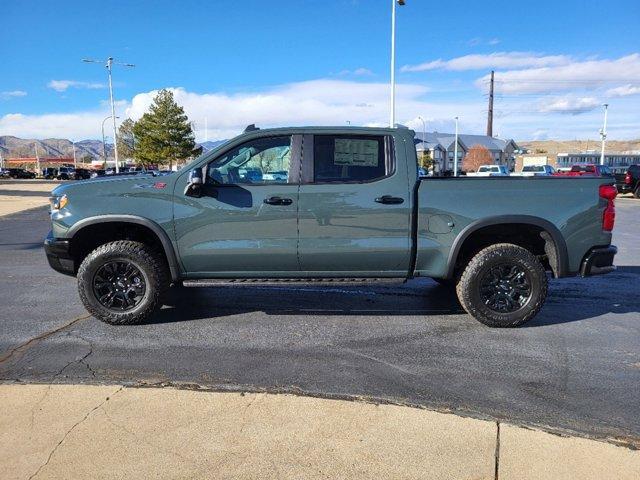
(206, 146)
(14, 147)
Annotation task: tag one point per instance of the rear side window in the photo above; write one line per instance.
(342, 158)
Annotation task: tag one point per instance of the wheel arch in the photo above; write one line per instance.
(159, 233)
(558, 257)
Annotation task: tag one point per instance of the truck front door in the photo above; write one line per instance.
(245, 221)
(354, 206)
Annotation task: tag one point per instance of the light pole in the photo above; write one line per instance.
(603, 133)
(455, 152)
(109, 66)
(104, 148)
(392, 113)
(75, 162)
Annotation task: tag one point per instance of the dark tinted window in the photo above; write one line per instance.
(347, 158)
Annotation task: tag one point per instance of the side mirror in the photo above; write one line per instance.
(194, 187)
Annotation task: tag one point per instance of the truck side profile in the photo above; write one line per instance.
(328, 202)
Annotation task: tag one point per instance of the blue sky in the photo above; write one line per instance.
(324, 62)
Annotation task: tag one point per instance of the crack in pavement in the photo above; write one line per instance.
(497, 454)
(20, 350)
(71, 430)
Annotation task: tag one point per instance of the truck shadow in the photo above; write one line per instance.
(569, 300)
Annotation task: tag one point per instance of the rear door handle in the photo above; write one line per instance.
(389, 200)
(278, 201)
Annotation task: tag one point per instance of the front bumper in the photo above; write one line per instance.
(58, 255)
(598, 261)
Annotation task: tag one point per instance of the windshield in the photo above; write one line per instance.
(533, 168)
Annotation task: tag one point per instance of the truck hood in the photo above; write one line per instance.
(115, 184)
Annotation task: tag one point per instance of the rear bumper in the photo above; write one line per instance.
(624, 188)
(58, 256)
(598, 261)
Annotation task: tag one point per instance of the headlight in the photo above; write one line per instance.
(58, 202)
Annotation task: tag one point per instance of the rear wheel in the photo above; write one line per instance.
(503, 285)
(636, 192)
(122, 282)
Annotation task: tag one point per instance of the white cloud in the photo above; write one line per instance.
(314, 102)
(63, 85)
(78, 125)
(571, 75)
(497, 60)
(569, 105)
(358, 72)
(13, 94)
(623, 91)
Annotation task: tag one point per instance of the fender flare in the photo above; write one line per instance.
(562, 255)
(162, 235)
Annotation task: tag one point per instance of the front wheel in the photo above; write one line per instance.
(503, 285)
(122, 282)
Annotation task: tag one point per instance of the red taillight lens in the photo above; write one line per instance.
(608, 192)
(627, 178)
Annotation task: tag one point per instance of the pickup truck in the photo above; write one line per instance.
(490, 171)
(535, 171)
(629, 182)
(586, 170)
(351, 206)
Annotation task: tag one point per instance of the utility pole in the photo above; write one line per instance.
(109, 66)
(490, 114)
(35, 147)
(392, 113)
(104, 148)
(603, 133)
(75, 162)
(455, 152)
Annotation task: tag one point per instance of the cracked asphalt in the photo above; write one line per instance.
(576, 367)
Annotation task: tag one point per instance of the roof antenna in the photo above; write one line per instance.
(251, 128)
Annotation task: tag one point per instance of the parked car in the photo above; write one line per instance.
(629, 182)
(353, 207)
(49, 173)
(82, 174)
(66, 173)
(536, 171)
(98, 173)
(21, 173)
(4, 173)
(490, 171)
(587, 170)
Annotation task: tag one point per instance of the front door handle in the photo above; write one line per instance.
(278, 201)
(389, 200)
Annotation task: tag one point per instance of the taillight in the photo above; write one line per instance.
(608, 192)
(627, 178)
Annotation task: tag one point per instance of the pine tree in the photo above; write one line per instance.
(126, 139)
(164, 134)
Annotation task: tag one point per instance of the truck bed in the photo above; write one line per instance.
(449, 210)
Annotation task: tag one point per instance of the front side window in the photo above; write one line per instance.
(259, 161)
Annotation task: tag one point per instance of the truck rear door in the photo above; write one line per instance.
(354, 206)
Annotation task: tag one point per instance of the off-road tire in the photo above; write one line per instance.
(147, 260)
(636, 192)
(469, 286)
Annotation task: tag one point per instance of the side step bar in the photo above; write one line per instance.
(292, 281)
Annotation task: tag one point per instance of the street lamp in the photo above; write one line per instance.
(392, 113)
(455, 152)
(109, 66)
(603, 133)
(104, 149)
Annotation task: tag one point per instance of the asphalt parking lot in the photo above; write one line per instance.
(576, 367)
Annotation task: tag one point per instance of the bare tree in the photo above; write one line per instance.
(475, 158)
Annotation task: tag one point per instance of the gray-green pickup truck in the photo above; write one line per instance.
(328, 202)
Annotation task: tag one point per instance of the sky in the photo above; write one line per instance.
(324, 62)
